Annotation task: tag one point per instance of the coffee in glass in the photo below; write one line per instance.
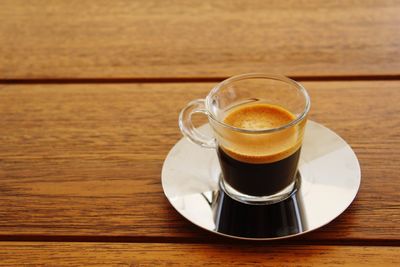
(258, 123)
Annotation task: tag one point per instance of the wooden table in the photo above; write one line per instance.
(90, 93)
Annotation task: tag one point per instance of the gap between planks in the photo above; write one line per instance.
(189, 79)
(179, 240)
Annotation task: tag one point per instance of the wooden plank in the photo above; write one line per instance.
(153, 254)
(85, 159)
(152, 39)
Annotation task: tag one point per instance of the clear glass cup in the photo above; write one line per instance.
(258, 123)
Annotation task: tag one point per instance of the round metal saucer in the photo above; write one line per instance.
(329, 179)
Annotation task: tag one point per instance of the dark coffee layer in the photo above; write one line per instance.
(258, 179)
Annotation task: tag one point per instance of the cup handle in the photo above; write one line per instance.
(187, 127)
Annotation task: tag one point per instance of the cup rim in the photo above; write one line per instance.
(277, 77)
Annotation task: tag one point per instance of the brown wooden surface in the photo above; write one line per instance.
(85, 160)
(81, 152)
(163, 39)
(125, 254)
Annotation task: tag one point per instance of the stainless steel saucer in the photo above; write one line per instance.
(329, 179)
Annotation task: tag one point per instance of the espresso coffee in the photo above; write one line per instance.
(262, 164)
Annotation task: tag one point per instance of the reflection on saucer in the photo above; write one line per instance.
(235, 218)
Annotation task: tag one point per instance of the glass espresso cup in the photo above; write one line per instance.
(258, 123)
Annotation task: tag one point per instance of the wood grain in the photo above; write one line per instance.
(153, 39)
(127, 254)
(84, 160)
